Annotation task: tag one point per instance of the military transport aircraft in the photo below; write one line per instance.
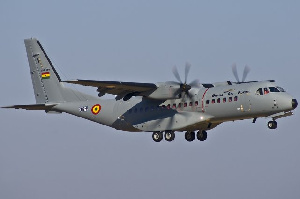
(161, 108)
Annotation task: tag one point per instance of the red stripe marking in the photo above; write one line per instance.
(203, 99)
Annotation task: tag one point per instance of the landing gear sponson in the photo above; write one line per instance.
(157, 136)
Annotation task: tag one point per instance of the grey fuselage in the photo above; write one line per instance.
(208, 108)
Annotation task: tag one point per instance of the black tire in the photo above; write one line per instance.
(201, 135)
(189, 136)
(157, 136)
(272, 124)
(169, 136)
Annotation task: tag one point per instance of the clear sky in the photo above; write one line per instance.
(62, 156)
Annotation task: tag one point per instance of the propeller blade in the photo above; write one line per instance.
(189, 95)
(195, 83)
(177, 92)
(234, 71)
(187, 70)
(176, 74)
(246, 72)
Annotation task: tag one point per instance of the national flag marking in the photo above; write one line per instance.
(46, 75)
(96, 109)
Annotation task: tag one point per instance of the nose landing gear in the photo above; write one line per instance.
(272, 124)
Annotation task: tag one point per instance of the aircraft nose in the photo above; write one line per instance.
(294, 103)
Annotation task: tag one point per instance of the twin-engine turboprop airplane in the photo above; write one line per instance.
(161, 108)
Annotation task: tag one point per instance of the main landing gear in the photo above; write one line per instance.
(272, 124)
(157, 136)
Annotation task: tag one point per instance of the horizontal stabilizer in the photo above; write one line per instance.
(45, 107)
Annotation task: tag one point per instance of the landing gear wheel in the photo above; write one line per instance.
(190, 136)
(201, 135)
(272, 124)
(169, 136)
(157, 136)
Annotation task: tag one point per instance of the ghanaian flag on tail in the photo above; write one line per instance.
(46, 75)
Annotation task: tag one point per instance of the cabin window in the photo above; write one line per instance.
(179, 105)
(235, 98)
(146, 109)
(141, 109)
(259, 91)
(230, 99)
(163, 106)
(191, 104)
(169, 106)
(196, 103)
(174, 106)
(207, 101)
(218, 100)
(224, 100)
(135, 110)
(213, 101)
(185, 104)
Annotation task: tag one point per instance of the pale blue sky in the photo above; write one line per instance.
(62, 156)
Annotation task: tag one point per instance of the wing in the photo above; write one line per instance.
(123, 90)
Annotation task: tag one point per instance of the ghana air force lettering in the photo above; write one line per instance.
(162, 108)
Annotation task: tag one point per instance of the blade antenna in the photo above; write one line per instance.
(246, 72)
(234, 71)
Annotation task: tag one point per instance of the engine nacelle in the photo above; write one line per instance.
(165, 91)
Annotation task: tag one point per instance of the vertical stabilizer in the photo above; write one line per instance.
(47, 84)
(45, 80)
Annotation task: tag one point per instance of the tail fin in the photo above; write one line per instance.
(46, 82)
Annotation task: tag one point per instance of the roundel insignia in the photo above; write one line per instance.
(96, 109)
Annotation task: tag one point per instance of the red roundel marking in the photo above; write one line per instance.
(96, 109)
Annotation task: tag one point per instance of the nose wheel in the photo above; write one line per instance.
(272, 124)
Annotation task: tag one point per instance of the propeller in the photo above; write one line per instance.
(184, 88)
(245, 73)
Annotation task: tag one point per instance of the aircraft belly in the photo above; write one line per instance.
(178, 122)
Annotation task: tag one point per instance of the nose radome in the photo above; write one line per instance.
(294, 103)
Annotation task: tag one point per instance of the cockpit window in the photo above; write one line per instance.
(266, 91)
(276, 89)
(259, 91)
(280, 89)
(273, 90)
